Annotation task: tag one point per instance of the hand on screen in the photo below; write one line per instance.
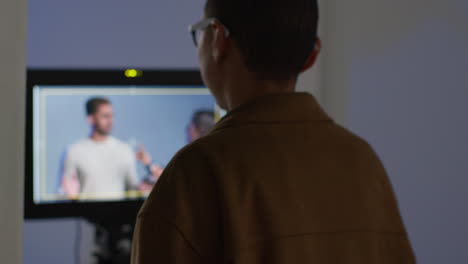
(156, 171)
(143, 156)
(145, 188)
(71, 185)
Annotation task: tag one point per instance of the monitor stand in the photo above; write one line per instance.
(112, 241)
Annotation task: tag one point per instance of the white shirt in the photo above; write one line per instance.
(105, 170)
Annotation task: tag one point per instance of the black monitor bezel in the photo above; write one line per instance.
(96, 211)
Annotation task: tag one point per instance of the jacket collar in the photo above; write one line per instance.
(276, 108)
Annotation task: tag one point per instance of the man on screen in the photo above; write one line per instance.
(100, 167)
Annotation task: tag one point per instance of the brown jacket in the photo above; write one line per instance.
(276, 182)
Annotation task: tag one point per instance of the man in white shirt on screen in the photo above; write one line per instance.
(100, 167)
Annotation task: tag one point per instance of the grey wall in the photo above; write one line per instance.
(12, 119)
(57, 241)
(112, 33)
(402, 68)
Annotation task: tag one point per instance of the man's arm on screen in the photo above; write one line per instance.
(154, 169)
(131, 181)
(70, 181)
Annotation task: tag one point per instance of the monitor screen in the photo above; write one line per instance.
(96, 143)
(107, 141)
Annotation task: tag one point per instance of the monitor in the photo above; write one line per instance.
(98, 140)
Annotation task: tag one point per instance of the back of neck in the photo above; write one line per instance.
(242, 90)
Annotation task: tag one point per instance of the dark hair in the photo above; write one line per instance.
(203, 125)
(275, 37)
(93, 104)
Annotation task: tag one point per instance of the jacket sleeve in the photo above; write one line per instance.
(158, 241)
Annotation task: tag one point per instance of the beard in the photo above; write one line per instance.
(102, 131)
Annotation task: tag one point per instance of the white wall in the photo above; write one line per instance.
(12, 97)
(397, 72)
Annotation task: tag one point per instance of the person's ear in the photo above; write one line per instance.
(220, 41)
(313, 55)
